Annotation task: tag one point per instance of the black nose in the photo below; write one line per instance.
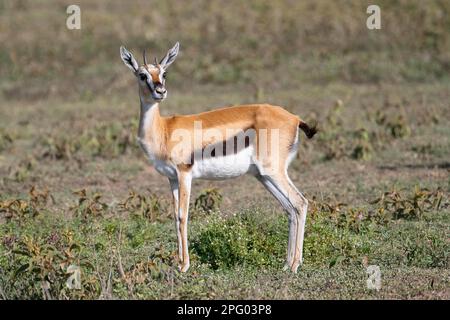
(160, 90)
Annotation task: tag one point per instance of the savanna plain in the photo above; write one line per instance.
(78, 196)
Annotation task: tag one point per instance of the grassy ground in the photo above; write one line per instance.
(75, 190)
(126, 249)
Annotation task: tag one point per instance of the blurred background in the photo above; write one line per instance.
(257, 44)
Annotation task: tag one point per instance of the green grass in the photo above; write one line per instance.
(231, 257)
(68, 121)
(238, 239)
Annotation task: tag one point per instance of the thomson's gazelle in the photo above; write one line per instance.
(259, 139)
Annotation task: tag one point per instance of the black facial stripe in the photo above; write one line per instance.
(150, 86)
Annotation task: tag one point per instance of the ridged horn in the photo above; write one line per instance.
(145, 57)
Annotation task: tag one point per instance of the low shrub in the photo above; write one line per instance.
(6, 140)
(22, 209)
(149, 206)
(104, 140)
(41, 268)
(88, 205)
(208, 201)
(399, 204)
(241, 240)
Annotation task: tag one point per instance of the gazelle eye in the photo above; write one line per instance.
(143, 76)
(165, 75)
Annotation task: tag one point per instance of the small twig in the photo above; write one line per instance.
(122, 273)
(97, 271)
(120, 265)
(109, 284)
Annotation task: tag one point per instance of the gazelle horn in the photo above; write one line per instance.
(156, 61)
(145, 57)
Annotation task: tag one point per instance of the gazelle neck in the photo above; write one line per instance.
(149, 117)
(151, 132)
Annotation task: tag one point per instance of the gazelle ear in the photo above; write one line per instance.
(128, 59)
(170, 56)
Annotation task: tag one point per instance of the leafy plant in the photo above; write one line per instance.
(59, 147)
(88, 205)
(333, 118)
(104, 140)
(395, 122)
(363, 148)
(6, 140)
(22, 170)
(150, 207)
(425, 249)
(334, 147)
(328, 246)
(18, 209)
(398, 127)
(109, 140)
(208, 201)
(398, 205)
(340, 214)
(47, 267)
(241, 239)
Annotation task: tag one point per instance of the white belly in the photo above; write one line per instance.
(223, 167)
(214, 168)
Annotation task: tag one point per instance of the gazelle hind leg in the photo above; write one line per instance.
(296, 206)
(302, 204)
(272, 187)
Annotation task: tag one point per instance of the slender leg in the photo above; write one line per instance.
(302, 204)
(284, 201)
(184, 179)
(296, 205)
(174, 188)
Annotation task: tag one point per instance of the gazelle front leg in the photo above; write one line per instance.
(184, 193)
(175, 190)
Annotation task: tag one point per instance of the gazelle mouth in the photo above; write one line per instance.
(158, 98)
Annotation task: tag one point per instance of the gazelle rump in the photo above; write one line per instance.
(258, 139)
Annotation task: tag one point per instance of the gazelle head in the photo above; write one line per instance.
(151, 77)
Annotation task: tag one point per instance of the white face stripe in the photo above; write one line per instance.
(150, 82)
(154, 81)
(161, 73)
